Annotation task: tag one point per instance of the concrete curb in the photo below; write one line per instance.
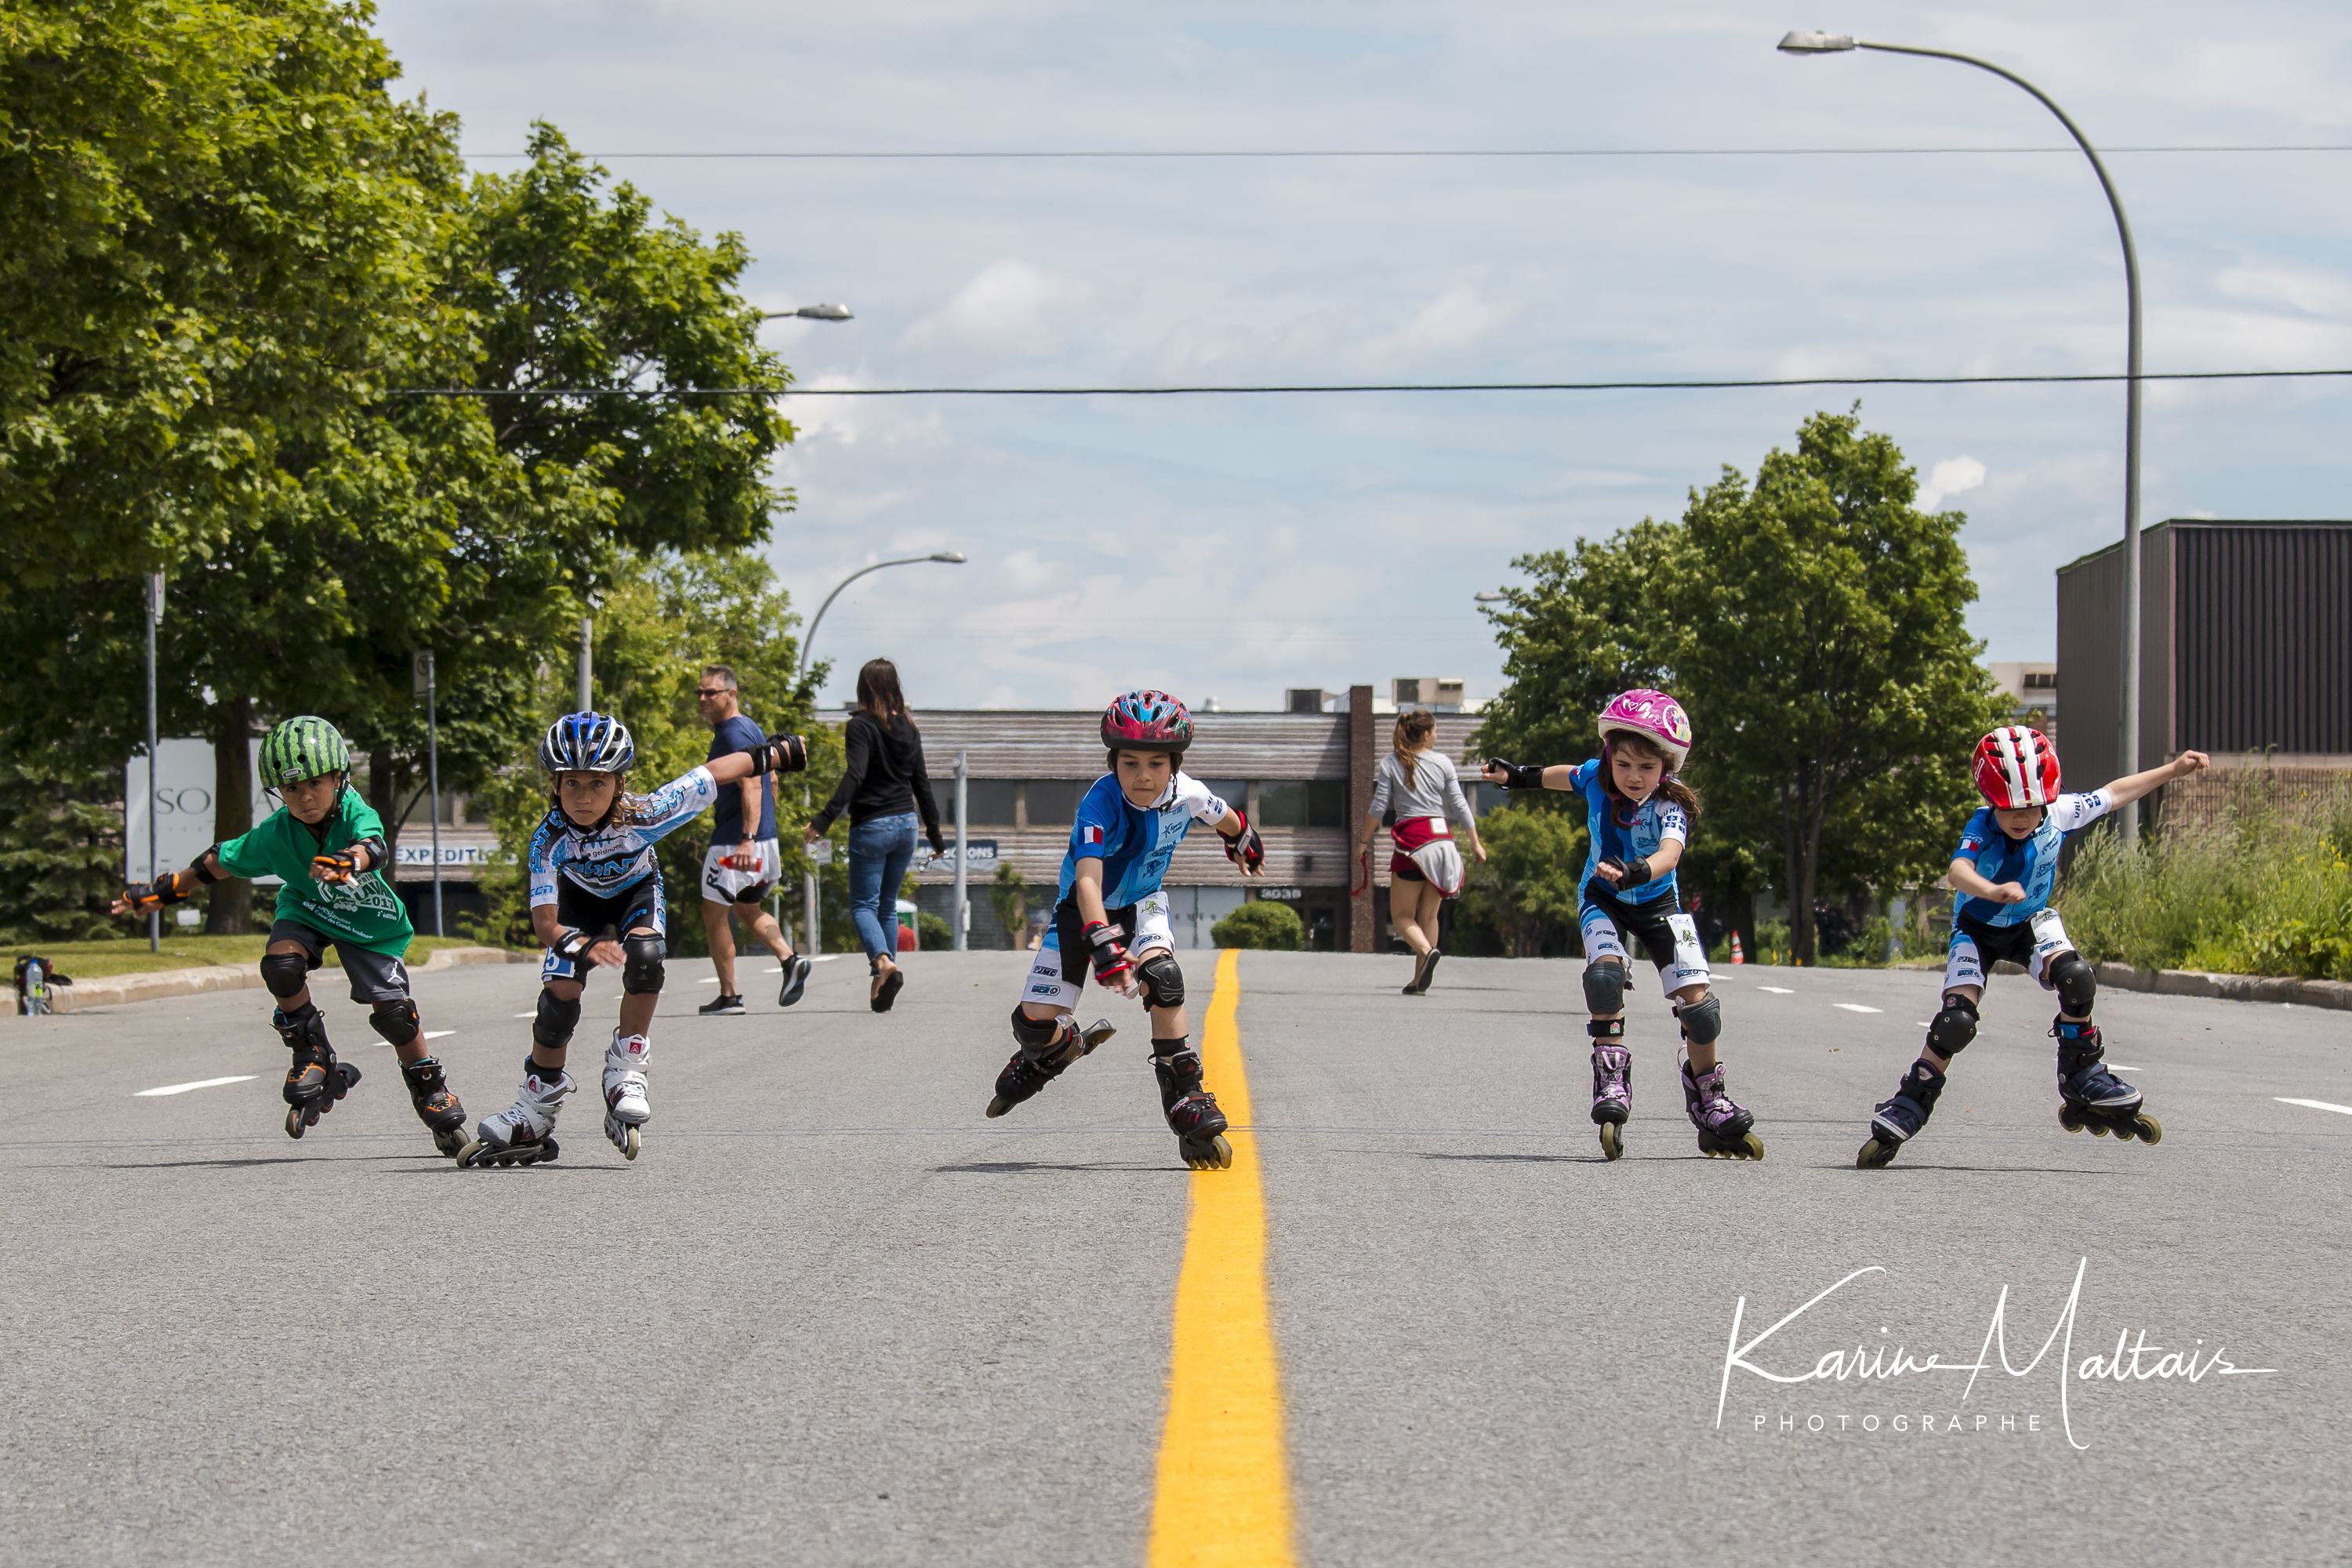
(113, 990)
(2336, 994)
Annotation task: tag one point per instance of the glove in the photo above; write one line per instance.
(144, 896)
(570, 945)
(1529, 777)
(784, 755)
(1109, 958)
(1245, 849)
(337, 866)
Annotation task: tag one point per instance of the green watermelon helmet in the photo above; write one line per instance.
(303, 747)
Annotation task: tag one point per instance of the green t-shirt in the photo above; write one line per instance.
(363, 911)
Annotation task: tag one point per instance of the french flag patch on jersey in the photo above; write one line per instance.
(1090, 835)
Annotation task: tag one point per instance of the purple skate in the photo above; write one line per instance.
(1724, 1125)
(1612, 1096)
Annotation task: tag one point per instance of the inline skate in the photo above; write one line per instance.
(1613, 1091)
(1900, 1119)
(315, 1079)
(524, 1133)
(1026, 1073)
(1725, 1126)
(2090, 1096)
(1191, 1110)
(436, 1106)
(625, 1109)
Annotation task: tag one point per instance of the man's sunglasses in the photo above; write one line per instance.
(711, 691)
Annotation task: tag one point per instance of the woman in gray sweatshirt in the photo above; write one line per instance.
(1426, 869)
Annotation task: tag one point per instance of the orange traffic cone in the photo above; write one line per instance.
(1736, 956)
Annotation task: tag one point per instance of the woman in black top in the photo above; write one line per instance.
(883, 788)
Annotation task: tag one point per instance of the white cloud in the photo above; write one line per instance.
(1950, 477)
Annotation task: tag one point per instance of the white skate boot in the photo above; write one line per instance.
(625, 1109)
(524, 1133)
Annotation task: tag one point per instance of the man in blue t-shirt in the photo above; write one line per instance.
(744, 861)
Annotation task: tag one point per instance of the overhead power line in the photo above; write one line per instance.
(673, 393)
(1109, 153)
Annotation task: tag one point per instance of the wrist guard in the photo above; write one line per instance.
(1245, 848)
(784, 755)
(1636, 872)
(1527, 777)
(170, 888)
(571, 946)
(1105, 950)
(337, 866)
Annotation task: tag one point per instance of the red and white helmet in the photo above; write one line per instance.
(1655, 717)
(2017, 767)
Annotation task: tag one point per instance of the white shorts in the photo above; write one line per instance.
(723, 884)
(1687, 967)
(1966, 964)
(1047, 985)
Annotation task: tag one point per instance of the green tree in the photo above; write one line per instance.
(1830, 666)
(61, 851)
(1009, 896)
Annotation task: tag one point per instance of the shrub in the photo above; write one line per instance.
(1264, 924)
(933, 934)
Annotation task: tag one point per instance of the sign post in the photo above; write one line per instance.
(962, 898)
(421, 678)
(154, 618)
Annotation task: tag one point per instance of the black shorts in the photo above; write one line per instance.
(375, 976)
(637, 905)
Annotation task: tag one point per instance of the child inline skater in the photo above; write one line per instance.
(2003, 871)
(325, 845)
(1110, 915)
(596, 899)
(1640, 815)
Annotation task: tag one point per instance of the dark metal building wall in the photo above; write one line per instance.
(2264, 655)
(2090, 665)
(1362, 757)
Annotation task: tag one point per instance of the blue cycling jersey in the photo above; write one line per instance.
(1623, 831)
(2031, 862)
(605, 860)
(1135, 845)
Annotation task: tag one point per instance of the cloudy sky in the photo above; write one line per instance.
(1231, 547)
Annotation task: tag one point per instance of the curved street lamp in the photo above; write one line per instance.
(950, 557)
(1808, 43)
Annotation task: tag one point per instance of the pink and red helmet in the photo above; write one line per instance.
(1146, 721)
(1653, 715)
(2017, 767)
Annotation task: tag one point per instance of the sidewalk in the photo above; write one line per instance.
(113, 990)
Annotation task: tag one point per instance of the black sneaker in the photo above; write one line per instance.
(721, 1007)
(796, 973)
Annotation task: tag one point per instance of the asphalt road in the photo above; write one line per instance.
(834, 1316)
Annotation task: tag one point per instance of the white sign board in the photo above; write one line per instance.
(977, 853)
(183, 806)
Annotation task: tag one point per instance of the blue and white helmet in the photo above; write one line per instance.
(587, 743)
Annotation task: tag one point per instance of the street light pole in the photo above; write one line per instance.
(1805, 43)
(154, 618)
(947, 557)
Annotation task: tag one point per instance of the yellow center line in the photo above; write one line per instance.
(1224, 1483)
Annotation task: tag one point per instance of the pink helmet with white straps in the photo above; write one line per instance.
(1655, 717)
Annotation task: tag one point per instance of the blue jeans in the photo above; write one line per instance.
(879, 853)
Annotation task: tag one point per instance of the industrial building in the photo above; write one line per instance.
(2245, 654)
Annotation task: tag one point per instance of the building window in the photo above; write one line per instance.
(1303, 803)
(990, 801)
(1053, 803)
(1234, 792)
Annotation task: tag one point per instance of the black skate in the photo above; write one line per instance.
(2090, 1096)
(315, 1079)
(437, 1107)
(1900, 1119)
(1025, 1075)
(1192, 1112)
(1725, 1127)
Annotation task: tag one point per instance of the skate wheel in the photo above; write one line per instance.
(2125, 1132)
(551, 1148)
(468, 1155)
(1612, 1141)
(996, 1107)
(2070, 1119)
(294, 1123)
(1875, 1155)
(629, 1145)
(1751, 1147)
(2098, 1129)
(2150, 1129)
(1215, 1154)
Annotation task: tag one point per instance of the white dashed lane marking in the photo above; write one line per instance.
(1856, 1007)
(200, 1083)
(1776, 990)
(2309, 1104)
(438, 1034)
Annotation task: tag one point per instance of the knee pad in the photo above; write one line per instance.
(1034, 1035)
(285, 972)
(641, 974)
(555, 1020)
(2076, 983)
(395, 1021)
(1164, 982)
(1702, 1021)
(1604, 987)
(1953, 1029)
